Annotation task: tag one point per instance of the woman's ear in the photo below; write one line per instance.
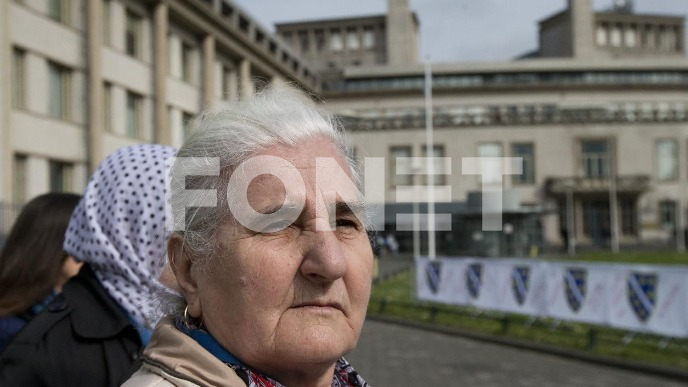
(182, 267)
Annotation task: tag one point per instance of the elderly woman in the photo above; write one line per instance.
(92, 334)
(276, 277)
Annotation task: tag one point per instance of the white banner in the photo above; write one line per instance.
(644, 298)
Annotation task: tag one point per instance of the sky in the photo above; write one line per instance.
(453, 30)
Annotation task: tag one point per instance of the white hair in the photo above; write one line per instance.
(235, 131)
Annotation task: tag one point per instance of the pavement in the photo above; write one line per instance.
(396, 355)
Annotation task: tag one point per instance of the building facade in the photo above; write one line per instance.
(81, 78)
(598, 115)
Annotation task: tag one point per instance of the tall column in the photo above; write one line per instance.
(6, 154)
(582, 28)
(162, 131)
(401, 33)
(94, 44)
(245, 80)
(208, 70)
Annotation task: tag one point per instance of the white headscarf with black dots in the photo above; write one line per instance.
(118, 228)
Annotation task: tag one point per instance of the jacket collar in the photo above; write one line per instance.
(94, 314)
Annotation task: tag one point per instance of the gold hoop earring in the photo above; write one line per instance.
(186, 317)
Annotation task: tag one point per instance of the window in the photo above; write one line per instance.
(667, 214)
(304, 41)
(629, 38)
(615, 36)
(59, 91)
(526, 152)
(439, 178)
(57, 10)
(106, 22)
(401, 171)
(492, 174)
(187, 62)
(336, 41)
(19, 179)
(60, 176)
(229, 83)
(667, 159)
(601, 35)
(629, 217)
(134, 114)
(368, 38)
(107, 106)
(18, 78)
(352, 41)
(595, 159)
(133, 34)
(186, 124)
(319, 40)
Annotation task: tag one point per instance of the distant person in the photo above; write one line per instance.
(93, 333)
(33, 265)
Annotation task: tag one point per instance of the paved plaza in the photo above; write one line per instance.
(394, 355)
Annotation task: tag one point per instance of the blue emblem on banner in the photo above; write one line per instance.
(575, 283)
(642, 294)
(433, 271)
(474, 279)
(520, 278)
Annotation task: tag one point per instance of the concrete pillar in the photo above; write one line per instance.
(161, 132)
(208, 70)
(94, 141)
(582, 28)
(6, 153)
(401, 31)
(245, 81)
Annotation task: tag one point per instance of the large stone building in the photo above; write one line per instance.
(601, 105)
(81, 78)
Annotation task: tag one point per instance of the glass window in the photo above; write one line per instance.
(629, 38)
(133, 34)
(615, 36)
(304, 41)
(601, 35)
(439, 178)
(57, 10)
(19, 179)
(667, 214)
(629, 217)
(60, 176)
(667, 159)
(595, 159)
(368, 38)
(187, 62)
(186, 124)
(401, 171)
(319, 40)
(134, 114)
(352, 41)
(18, 78)
(493, 173)
(58, 91)
(526, 152)
(336, 41)
(107, 106)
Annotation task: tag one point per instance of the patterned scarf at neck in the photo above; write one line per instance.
(344, 376)
(344, 373)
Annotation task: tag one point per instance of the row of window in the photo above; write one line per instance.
(509, 79)
(351, 38)
(403, 173)
(618, 35)
(60, 177)
(59, 86)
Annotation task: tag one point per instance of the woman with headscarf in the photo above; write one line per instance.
(276, 277)
(33, 264)
(92, 334)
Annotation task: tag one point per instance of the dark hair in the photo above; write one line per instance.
(31, 260)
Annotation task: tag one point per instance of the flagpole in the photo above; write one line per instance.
(612, 203)
(429, 146)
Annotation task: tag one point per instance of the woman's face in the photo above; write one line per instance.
(297, 297)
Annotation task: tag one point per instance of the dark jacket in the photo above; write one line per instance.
(82, 338)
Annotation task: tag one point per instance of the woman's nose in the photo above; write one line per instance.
(324, 259)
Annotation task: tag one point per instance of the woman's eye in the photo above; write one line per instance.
(347, 223)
